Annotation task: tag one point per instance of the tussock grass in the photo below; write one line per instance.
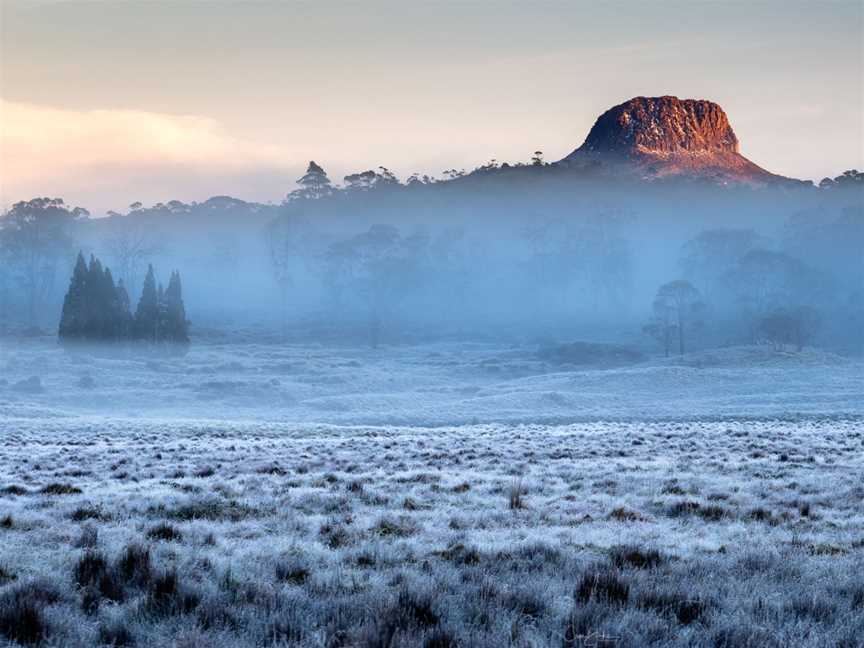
(397, 539)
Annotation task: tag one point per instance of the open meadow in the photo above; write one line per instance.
(433, 496)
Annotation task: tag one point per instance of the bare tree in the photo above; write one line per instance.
(131, 246)
(677, 310)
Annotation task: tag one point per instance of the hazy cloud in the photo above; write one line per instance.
(112, 155)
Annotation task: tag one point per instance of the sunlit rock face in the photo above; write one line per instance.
(668, 136)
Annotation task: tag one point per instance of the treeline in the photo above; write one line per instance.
(96, 309)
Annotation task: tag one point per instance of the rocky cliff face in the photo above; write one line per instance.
(667, 136)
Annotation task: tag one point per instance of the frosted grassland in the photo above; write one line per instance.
(429, 495)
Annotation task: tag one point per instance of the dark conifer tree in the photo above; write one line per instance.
(161, 316)
(74, 304)
(124, 312)
(147, 312)
(176, 326)
(95, 309)
(95, 315)
(111, 308)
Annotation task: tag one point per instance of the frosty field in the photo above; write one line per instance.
(431, 495)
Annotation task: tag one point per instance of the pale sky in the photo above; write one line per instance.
(106, 103)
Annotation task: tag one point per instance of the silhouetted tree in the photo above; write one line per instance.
(176, 325)
(379, 266)
(852, 179)
(313, 185)
(72, 318)
(147, 312)
(125, 324)
(677, 305)
(34, 239)
(94, 309)
(661, 326)
(797, 326)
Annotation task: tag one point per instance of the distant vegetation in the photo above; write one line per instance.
(506, 250)
(97, 310)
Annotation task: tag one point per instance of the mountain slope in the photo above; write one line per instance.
(668, 136)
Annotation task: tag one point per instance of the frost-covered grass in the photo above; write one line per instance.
(147, 508)
(746, 533)
(430, 384)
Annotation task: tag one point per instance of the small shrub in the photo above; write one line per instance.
(335, 535)
(811, 607)
(857, 596)
(214, 612)
(526, 602)
(440, 638)
(92, 572)
(60, 489)
(91, 566)
(14, 490)
(760, 514)
(208, 471)
(292, 571)
(90, 600)
(89, 537)
(165, 532)
(515, 496)
(116, 633)
(459, 554)
(6, 522)
(685, 610)
(625, 515)
(387, 527)
(580, 628)
(416, 609)
(166, 596)
(21, 616)
(213, 509)
(133, 565)
(633, 556)
(85, 512)
(603, 585)
(6, 576)
(710, 513)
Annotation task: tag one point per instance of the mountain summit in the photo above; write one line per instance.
(668, 136)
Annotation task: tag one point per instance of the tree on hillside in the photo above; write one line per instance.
(676, 311)
(313, 185)
(852, 179)
(34, 239)
(368, 180)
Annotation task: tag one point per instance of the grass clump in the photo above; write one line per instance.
(60, 489)
(165, 532)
